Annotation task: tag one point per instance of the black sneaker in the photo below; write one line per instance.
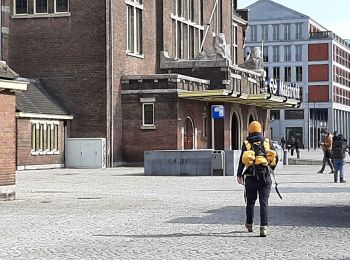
(319, 172)
(342, 181)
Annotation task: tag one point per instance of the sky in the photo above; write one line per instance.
(333, 15)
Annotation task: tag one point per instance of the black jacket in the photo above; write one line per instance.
(339, 148)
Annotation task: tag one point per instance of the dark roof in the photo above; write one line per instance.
(6, 72)
(37, 100)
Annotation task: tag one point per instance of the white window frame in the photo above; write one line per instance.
(43, 138)
(234, 44)
(147, 101)
(14, 8)
(55, 8)
(47, 7)
(135, 6)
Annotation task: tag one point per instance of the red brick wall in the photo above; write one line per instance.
(7, 138)
(195, 110)
(69, 55)
(137, 140)
(125, 64)
(318, 94)
(318, 72)
(318, 52)
(24, 156)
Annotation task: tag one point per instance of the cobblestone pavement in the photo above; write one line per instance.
(121, 214)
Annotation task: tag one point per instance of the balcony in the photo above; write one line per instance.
(321, 35)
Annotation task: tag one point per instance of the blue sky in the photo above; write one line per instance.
(333, 15)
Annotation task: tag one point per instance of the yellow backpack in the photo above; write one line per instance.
(250, 157)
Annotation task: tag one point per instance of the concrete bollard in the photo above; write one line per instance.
(298, 154)
(285, 157)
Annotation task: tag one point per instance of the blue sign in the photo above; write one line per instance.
(217, 111)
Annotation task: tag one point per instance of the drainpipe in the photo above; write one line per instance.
(110, 96)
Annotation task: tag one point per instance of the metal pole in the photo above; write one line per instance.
(212, 133)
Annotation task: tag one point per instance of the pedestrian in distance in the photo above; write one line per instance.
(292, 145)
(339, 148)
(283, 143)
(257, 160)
(326, 145)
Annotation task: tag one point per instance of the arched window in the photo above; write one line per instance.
(189, 134)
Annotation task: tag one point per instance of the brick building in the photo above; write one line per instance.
(299, 49)
(133, 71)
(9, 85)
(41, 126)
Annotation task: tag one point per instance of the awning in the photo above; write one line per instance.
(265, 100)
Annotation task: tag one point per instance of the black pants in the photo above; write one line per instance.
(258, 185)
(327, 160)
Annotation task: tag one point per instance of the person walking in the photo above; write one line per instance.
(339, 148)
(327, 152)
(292, 145)
(283, 143)
(257, 158)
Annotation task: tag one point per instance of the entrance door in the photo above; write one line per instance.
(189, 134)
(234, 132)
(297, 133)
(251, 119)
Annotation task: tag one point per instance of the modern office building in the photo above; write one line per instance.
(297, 49)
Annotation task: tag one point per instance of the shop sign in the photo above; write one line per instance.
(279, 88)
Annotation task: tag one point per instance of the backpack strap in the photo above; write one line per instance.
(248, 146)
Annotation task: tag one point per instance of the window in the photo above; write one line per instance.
(187, 28)
(266, 54)
(299, 74)
(287, 32)
(61, 6)
(44, 137)
(265, 32)
(276, 54)
(288, 74)
(234, 44)
(205, 127)
(217, 19)
(40, 7)
(266, 69)
(253, 33)
(276, 72)
(134, 26)
(21, 7)
(148, 114)
(276, 32)
(274, 114)
(287, 53)
(298, 31)
(294, 114)
(298, 52)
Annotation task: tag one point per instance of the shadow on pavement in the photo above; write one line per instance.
(327, 216)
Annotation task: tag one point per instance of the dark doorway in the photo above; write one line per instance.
(251, 119)
(219, 134)
(235, 132)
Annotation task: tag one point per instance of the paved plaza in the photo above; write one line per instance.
(120, 214)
